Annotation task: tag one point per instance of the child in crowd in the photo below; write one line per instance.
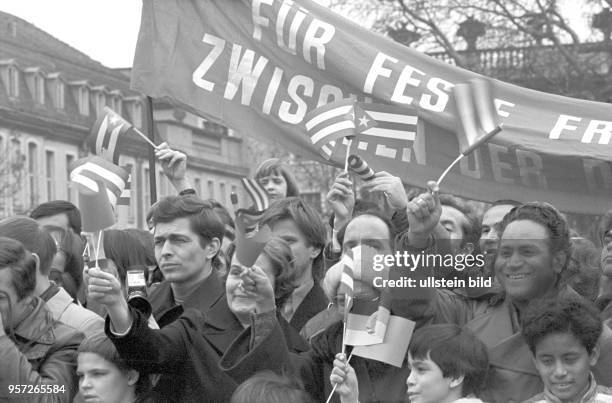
(268, 387)
(448, 364)
(563, 336)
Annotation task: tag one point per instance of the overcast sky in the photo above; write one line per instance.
(106, 30)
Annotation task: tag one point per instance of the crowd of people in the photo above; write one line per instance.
(216, 330)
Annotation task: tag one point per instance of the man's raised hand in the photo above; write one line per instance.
(341, 200)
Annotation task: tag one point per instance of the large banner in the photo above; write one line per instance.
(260, 66)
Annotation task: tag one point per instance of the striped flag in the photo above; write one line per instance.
(124, 197)
(386, 121)
(477, 114)
(106, 133)
(258, 194)
(88, 172)
(330, 122)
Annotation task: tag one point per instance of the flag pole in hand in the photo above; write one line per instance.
(348, 153)
(467, 152)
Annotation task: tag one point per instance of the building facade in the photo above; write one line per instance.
(50, 96)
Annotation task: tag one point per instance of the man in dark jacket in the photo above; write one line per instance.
(187, 239)
(38, 354)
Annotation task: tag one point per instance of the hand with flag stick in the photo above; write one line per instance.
(344, 379)
(478, 118)
(391, 186)
(341, 200)
(174, 165)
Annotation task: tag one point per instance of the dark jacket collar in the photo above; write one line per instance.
(165, 310)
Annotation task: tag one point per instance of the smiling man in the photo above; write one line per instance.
(187, 239)
(533, 251)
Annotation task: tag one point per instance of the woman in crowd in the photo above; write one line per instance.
(67, 266)
(274, 176)
(104, 377)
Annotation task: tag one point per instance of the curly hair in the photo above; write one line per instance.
(566, 314)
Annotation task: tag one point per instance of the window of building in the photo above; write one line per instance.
(222, 194)
(39, 88)
(116, 103)
(33, 173)
(211, 189)
(100, 102)
(70, 193)
(50, 174)
(197, 185)
(235, 191)
(13, 82)
(60, 94)
(83, 100)
(137, 114)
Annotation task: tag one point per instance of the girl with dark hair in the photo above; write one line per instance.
(104, 377)
(274, 176)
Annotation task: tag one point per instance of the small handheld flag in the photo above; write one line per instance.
(96, 209)
(249, 244)
(477, 115)
(257, 193)
(88, 172)
(107, 132)
(360, 167)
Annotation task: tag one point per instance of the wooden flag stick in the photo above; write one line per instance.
(144, 137)
(348, 153)
(474, 146)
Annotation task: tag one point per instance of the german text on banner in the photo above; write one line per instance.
(260, 66)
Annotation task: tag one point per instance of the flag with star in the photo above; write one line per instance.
(106, 135)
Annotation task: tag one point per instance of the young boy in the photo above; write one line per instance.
(448, 364)
(562, 334)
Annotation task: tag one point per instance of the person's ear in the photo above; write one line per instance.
(132, 377)
(594, 356)
(314, 252)
(456, 382)
(37, 260)
(212, 249)
(558, 262)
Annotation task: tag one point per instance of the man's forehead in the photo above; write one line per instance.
(178, 226)
(286, 226)
(495, 214)
(367, 227)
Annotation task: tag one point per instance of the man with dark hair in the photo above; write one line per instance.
(533, 252)
(604, 300)
(187, 239)
(301, 226)
(460, 223)
(60, 213)
(61, 305)
(37, 352)
(563, 335)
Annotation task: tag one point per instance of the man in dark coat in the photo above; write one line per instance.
(186, 352)
(187, 238)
